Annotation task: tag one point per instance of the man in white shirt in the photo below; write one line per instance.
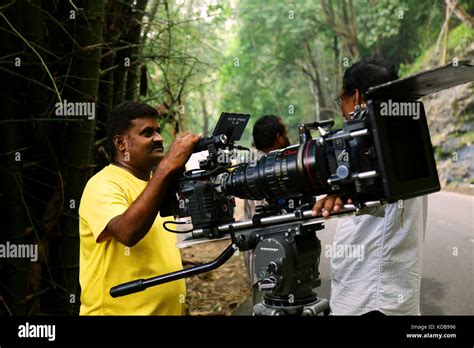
(386, 278)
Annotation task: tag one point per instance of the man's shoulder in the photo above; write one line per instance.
(106, 185)
(108, 178)
(107, 173)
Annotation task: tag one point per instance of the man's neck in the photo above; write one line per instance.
(142, 174)
(272, 148)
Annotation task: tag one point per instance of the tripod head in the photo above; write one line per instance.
(287, 265)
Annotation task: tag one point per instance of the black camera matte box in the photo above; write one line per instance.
(406, 163)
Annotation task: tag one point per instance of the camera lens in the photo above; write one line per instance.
(283, 173)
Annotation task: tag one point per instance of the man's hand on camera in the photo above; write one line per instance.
(330, 203)
(181, 150)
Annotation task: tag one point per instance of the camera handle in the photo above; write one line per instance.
(142, 284)
(305, 129)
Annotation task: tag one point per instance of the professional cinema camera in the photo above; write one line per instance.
(383, 154)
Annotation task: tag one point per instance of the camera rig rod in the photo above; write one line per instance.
(348, 209)
(142, 284)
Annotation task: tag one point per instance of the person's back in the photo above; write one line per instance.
(386, 276)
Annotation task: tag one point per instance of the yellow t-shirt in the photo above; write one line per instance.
(103, 265)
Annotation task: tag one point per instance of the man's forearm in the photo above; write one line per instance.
(130, 227)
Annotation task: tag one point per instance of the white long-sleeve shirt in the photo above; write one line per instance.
(376, 261)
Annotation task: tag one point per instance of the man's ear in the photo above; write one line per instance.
(120, 143)
(356, 98)
(280, 141)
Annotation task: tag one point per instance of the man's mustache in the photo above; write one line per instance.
(157, 146)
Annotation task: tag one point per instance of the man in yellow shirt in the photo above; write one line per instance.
(121, 231)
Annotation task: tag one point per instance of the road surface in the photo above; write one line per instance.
(447, 286)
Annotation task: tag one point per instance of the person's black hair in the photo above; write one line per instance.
(121, 120)
(366, 73)
(265, 131)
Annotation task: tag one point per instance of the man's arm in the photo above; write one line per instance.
(131, 226)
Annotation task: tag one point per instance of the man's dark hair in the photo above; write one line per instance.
(121, 120)
(367, 73)
(265, 131)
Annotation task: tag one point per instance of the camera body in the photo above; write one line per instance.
(206, 206)
(195, 193)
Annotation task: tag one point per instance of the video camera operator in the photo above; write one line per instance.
(386, 278)
(121, 233)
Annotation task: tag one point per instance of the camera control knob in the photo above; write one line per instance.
(268, 283)
(222, 139)
(342, 172)
(273, 267)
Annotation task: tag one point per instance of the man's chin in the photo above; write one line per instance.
(157, 156)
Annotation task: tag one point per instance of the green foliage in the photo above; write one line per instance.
(249, 56)
(261, 74)
(459, 39)
(379, 23)
(270, 49)
(467, 138)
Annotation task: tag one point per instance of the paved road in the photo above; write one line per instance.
(448, 280)
(447, 286)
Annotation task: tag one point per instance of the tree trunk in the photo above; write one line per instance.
(13, 215)
(442, 33)
(345, 29)
(205, 115)
(337, 65)
(134, 29)
(324, 111)
(121, 57)
(348, 15)
(151, 17)
(463, 16)
(106, 85)
(80, 146)
(314, 93)
(445, 44)
(37, 100)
